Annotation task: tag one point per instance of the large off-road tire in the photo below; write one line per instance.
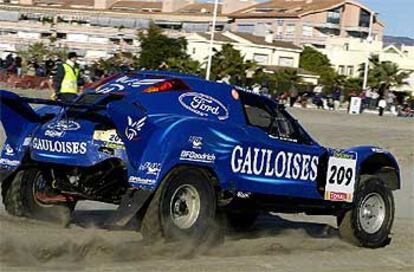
(183, 208)
(20, 200)
(369, 222)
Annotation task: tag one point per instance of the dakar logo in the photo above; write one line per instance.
(9, 150)
(58, 129)
(204, 105)
(151, 168)
(131, 131)
(196, 141)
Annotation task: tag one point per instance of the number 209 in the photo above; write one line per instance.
(340, 174)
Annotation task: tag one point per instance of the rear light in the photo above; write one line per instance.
(169, 85)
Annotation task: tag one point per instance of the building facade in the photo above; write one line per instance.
(347, 55)
(308, 22)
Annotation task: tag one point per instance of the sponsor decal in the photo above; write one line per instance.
(196, 141)
(109, 137)
(286, 139)
(151, 168)
(126, 81)
(27, 141)
(146, 181)
(113, 87)
(266, 162)
(62, 147)
(131, 131)
(197, 157)
(243, 195)
(8, 162)
(340, 179)
(58, 129)
(204, 105)
(9, 151)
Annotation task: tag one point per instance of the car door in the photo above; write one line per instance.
(278, 157)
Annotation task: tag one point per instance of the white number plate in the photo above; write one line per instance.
(109, 136)
(340, 179)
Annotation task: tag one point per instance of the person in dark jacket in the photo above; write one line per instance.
(67, 79)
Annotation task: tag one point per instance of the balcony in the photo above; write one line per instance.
(357, 29)
(325, 25)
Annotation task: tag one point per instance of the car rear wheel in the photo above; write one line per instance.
(369, 223)
(26, 194)
(183, 208)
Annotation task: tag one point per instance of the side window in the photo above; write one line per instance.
(275, 121)
(257, 112)
(284, 127)
(258, 117)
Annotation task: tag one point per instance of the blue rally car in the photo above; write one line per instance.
(179, 153)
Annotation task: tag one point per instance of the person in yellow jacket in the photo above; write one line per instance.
(67, 79)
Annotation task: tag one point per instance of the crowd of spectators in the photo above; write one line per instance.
(380, 99)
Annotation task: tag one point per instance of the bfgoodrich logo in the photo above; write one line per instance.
(204, 105)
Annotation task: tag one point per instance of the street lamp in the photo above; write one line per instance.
(369, 40)
(210, 49)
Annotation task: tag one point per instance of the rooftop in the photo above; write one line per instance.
(262, 41)
(290, 8)
(137, 6)
(234, 37)
(204, 8)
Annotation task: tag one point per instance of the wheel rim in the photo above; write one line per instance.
(39, 186)
(372, 213)
(185, 206)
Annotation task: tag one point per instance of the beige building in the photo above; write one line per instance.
(254, 49)
(272, 55)
(308, 21)
(346, 55)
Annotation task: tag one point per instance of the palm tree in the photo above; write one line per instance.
(384, 75)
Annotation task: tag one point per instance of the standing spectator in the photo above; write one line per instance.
(49, 65)
(18, 61)
(382, 104)
(32, 67)
(67, 79)
(294, 94)
(9, 61)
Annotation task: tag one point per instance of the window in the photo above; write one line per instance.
(341, 69)
(261, 58)
(346, 46)
(272, 119)
(350, 71)
(245, 28)
(334, 16)
(286, 61)
(364, 18)
(307, 31)
(290, 30)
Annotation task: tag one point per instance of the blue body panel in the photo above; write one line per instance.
(199, 123)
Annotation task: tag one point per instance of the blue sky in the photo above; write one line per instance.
(397, 15)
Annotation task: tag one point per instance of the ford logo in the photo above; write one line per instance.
(204, 105)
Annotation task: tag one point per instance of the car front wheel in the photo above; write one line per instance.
(369, 222)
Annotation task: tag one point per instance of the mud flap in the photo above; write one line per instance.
(131, 203)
